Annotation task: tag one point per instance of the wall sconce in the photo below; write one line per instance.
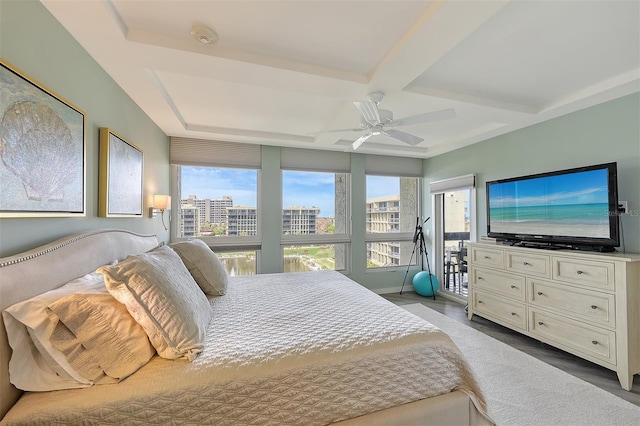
(160, 203)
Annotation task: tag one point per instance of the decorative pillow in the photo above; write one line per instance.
(35, 364)
(163, 298)
(98, 337)
(204, 266)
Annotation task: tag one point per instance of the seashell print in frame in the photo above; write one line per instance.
(42, 150)
(120, 177)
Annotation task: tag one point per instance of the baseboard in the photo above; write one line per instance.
(387, 290)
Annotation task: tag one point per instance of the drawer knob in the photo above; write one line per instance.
(480, 278)
(579, 272)
(513, 286)
(526, 263)
(539, 293)
(487, 257)
(594, 307)
(595, 342)
(514, 314)
(480, 301)
(540, 323)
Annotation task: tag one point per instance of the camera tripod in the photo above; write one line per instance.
(420, 246)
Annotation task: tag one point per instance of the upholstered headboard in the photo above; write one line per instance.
(50, 266)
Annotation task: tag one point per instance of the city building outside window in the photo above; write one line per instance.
(219, 205)
(314, 220)
(392, 211)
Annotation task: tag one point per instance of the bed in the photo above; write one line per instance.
(294, 348)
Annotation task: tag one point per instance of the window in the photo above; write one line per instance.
(314, 257)
(219, 206)
(217, 202)
(314, 203)
(393, 206)
(215, 198)
(314, 220)
(238, 262)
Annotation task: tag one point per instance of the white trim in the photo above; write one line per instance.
(452, 184)
(315, 239)
(389, 290)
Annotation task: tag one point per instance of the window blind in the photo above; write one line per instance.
(201, 152)
(452, 184)
(315, 160)
(392, 166)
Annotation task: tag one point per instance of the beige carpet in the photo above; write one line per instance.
(522, 390)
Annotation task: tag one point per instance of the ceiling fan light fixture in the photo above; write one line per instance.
(204, 34)
(376, 130)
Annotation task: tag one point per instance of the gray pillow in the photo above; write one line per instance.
(204, 266)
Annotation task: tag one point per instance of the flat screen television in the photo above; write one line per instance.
(574, 209)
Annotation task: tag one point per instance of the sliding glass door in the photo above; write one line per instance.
(453, 208)
(456, 226)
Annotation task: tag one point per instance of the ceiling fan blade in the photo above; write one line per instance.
(360, 141)
(369, 111)
(426, 117)
(403, 137)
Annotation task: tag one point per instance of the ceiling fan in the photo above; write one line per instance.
(375, 121)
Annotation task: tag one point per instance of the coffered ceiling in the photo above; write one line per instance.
(283, 72)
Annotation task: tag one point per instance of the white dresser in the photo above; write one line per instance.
(582, 302)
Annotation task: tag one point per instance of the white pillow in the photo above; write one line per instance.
(204, 266)
(162, 296)
(35, 364)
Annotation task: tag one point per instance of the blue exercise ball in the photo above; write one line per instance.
(422, 282)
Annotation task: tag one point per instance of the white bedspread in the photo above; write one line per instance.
(301, 348)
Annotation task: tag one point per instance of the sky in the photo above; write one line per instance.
(576, 188)
(303, 189)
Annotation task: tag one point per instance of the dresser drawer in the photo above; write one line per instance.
(508, 285)
(527, 263)
(500, 309)
(579, 338)
(484, 256)
(582, 304)
(588, 273)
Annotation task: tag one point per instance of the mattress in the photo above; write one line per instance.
(296, 348)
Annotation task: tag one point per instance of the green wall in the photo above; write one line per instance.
(32, 41)
(600, 134)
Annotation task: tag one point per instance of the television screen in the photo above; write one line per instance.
(576, 206)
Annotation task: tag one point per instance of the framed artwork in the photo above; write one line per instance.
(42, 150)
(120, 179)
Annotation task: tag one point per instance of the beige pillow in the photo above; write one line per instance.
(163, 298)
(36, 364)
(204, 266)
(98, 337)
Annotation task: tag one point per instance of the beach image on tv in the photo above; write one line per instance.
(573, 204)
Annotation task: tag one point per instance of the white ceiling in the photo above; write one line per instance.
(283, 70)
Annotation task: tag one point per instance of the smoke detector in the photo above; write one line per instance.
(204, 34)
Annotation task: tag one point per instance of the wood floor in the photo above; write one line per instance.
(585, 370)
